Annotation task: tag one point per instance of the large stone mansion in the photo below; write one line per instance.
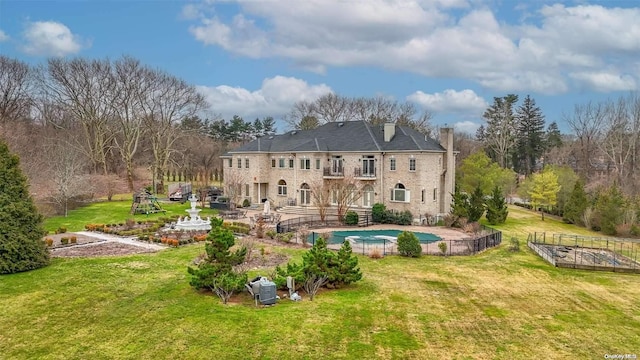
(392, 164)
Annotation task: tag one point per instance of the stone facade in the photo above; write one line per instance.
(420, 181)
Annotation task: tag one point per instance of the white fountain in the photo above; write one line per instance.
(193, 221)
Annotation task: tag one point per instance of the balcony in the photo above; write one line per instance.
(364, 174)
(333, 172)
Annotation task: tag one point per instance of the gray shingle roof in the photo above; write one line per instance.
(344, 136)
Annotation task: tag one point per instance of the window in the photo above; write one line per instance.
(305, 194)
(334, 197)
(412, 164)
(282, 187)
(336, 165)
(435, 194)
(281, 163)
(291, 163)
(393, 165)
(368, 166)
(399, 193)
(305, 164)
(230, 162)
(317, 164)
(239, 163)
(246, 163)
(422, 196)
(367, 196)
(246, 190)
(273, 162)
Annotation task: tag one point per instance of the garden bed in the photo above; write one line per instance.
(104, 248)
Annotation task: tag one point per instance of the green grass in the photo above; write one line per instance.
(113, 212)
(495, 305)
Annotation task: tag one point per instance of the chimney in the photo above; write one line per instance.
(449, 167)
(389, 131)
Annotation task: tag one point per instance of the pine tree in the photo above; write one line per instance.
(553, 136)
(459, 203)
(531, 135)
(496, 207)
(500, 134)
(610, 208)
(476, 205)
(21, 245)
(346, 266)
(576, 205)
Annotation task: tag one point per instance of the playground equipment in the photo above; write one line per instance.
(145, 203)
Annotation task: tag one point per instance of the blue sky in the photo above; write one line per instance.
(256, 58)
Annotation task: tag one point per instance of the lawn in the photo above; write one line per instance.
(495, 305)
(107, 212)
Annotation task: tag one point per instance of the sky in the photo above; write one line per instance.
(257, 58)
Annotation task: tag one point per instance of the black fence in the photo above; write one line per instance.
(587, 252)
(487, 239)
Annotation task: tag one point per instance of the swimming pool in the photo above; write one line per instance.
(372, 236)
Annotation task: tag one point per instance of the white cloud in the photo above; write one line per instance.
(50, 38)
(451, 101)
(275, 97)
(468, 127)
(605, 81)
(3, 36)
(439, 38)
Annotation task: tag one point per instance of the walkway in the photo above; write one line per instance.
(118, 239)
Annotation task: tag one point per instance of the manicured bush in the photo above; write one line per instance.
(61, 230)
(73, 240)
(443, 247)
(378, 212)
(64, 240)
(404, 218)
(514, 244)
(351, 218)
(49, 241)
(409, 245)
(246, 203)
(21, 245)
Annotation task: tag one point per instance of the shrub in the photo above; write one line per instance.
(448, 220)
(378, 212)
(246, 203)
(73, 240)
(472, 228)
(443, 247)
(404, 218)
(64, 240)
(285, 237)
(61, 230)
(351, 218)
(635, 230)
(409, 245)
(49, 242)
(303, 234)
(375, 253)
(271, 234)
(514, 244)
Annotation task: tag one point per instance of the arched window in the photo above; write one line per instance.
(367, 196)
(282, 188)
(399, 193)
(305, 194)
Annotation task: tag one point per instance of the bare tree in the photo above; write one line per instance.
(313, 283)
(585, 123)
(321, 197)
(66, 172)
(233, 183)
(16, 89)
(171, 101)
(85, 89)
(344, 193)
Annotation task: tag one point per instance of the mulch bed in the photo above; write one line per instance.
(100, 249)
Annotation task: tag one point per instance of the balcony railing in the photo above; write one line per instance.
(364, 173)
(333, 172)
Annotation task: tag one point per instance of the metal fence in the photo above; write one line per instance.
(487, 239)
(587, 252)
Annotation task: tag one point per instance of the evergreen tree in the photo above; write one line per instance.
(459, 203)
(346, 266)
(476, 205)
(216, 271)
(576, 205)
(553, 136)
(610, 208)
(531, 136)
(500, 134)
(21, 245)
(318, 261)
(409, 245)
(496, 207)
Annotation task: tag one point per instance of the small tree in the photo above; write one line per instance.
(545, 189)
(459, 203)
(316, 266)
(344, 193)
(409, 245)
(443, 247)
(576, 205)
(321, 196)
(217, 272)
(476, 205)
(346, 266)
(21, 245)
(378, 212)
(496, 207)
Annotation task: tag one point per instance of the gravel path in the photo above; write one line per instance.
(122, 240)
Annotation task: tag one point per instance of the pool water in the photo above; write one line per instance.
(373, 236)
